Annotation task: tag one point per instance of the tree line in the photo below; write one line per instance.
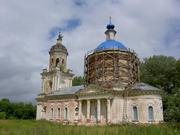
(164, 72)
(10, 110)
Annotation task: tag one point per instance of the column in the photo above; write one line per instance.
(99, 110)
(58, 80)
(108, 110)
(53, 83)
(88, 110)
(38, 112)
(55, 78)
(42, 85)
(80, 109)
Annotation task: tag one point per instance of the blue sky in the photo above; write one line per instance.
(30, 28)
(70, 25)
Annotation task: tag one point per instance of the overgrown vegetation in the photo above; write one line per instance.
(20, 110)
(24, 127)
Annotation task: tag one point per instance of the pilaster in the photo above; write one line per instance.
(99, 110)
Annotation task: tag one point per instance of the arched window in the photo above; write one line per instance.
(44, 109)
(52, 113)
(63, 61)
(66, 114)
(150, 113)
(44, 112)
(59, 113)
(51, 61)
(50, 85)
(135, 113)
(57, 62)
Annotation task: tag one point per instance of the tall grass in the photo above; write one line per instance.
(30, 127)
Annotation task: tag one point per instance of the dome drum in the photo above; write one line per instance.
(109, 68)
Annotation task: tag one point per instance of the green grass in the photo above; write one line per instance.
(30, 127)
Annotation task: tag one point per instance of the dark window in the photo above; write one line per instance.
(52, 115)
(44, 109)
(150, 113)
(62, 61)
(59, 112)
(135, 113)
(76, 109)
(50, 85)
(57, 61)
(66, 114)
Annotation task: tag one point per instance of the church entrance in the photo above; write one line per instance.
(103, 111)
(93, 110)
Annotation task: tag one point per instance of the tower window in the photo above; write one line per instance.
(150, 113)
(62, 61)
(57, 62)
(135, 113)
(52, 61)
(44, 109)
(50, 85)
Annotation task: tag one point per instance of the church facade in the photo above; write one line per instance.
(112, 92)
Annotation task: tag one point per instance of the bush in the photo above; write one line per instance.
(2, 115)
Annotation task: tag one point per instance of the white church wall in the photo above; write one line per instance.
(117, 110)
(52, 110)
(142, 103)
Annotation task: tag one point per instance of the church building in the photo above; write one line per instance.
(112, 92)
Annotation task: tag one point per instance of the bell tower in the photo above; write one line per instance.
(58, 55)
(57, 76)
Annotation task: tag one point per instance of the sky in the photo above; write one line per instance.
(28, 29)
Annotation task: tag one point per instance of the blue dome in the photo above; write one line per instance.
(111, 44)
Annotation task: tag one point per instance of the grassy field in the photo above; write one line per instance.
(27, 127)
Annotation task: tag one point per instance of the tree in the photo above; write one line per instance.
(171, 105)
(159, 71)
(78, 80)
(172, 101)
(164, 73)
(20, 110)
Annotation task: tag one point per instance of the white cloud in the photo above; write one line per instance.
(25, 26)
